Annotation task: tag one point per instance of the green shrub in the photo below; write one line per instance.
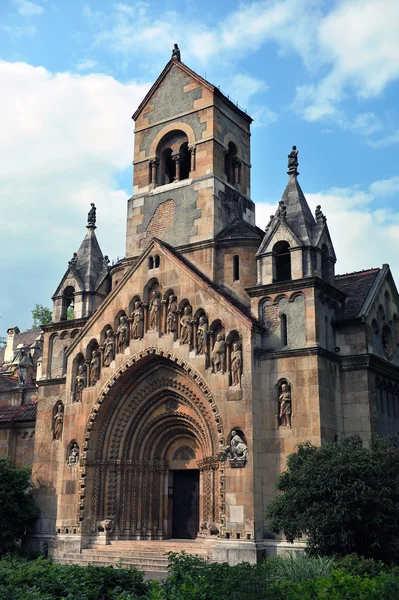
(298, 567)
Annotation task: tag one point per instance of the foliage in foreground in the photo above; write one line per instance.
(344, 498)
(41, 315)
(17, 506)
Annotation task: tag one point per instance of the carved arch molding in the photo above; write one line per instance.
(152, 408)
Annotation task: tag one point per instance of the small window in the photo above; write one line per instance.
(283, 329)
(236, 268)
(282, 258)
(157, 261)
(150, 262)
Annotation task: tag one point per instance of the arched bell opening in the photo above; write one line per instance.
(152, 465)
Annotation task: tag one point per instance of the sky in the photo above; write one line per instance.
(320, 74)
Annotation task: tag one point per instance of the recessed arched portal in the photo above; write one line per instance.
(152, 454)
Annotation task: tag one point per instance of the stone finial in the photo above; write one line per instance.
(176, 53)
(91, 217)
(293, 161)
(320, 217)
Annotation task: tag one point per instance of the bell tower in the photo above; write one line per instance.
(191, 166)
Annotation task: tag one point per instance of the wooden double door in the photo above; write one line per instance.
(185, 513)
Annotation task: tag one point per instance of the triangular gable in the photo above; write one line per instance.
(242, 312)
(270, 237)
(70, 273)
(384, 276)
(323, 237)
(194, 75)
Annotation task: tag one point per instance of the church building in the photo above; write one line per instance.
(164, 410)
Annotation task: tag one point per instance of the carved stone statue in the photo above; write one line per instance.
(106, 262)
(285, 406)
(58, 422)
(91, 217)
(74, 260)
(25, 369)
(202, 333)
(281, 210)
(293, 160)
(109, 348)
(81, 382)
(176, 52)
(171, 319)
(320, 217)
(94, 367)
(73, 457)
(237, 450)
(138, 321)
(236, 363)
(154, 311)
(122, 334)
(218, 354)
(186, 326)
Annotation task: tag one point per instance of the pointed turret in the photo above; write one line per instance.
(85, 282)
(296, 244)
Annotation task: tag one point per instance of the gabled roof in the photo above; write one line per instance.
(194, 75)
(240, 229)
(299, 218)
(270, 232)
(356, 286)
(18, 414)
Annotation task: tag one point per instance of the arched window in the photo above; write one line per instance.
(325, 263)
(184, 160)
(282, 261)
(174, 158)
(236, 268)
(68, 303)
(283, 329)
(168, 166)
(150, 262)
(229, 160)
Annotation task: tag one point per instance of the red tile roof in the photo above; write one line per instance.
(18, 414)
(356, 285)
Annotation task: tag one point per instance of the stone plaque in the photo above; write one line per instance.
(237, 514)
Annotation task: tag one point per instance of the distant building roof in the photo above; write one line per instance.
(18, 414)
(356, 286)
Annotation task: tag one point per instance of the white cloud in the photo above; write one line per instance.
(363, 235)
(64, 143)
(385, 141)
(18, 31)
(263, 116)
(366, 123)
(86, 65)
(28, 9)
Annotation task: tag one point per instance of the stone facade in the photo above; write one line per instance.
(168, 405)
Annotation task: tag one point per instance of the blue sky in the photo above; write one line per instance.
(319, 74)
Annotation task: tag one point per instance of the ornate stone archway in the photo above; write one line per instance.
(151, 406)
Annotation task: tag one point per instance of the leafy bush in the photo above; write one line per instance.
(17, 506)
(298, 567)
(344, 498)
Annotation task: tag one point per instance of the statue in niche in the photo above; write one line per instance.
(285, 405)
(171, 319)
(94, 367)
(237, 450)
(58, 422)
(81, 382)
(154, 311)
(236, 363)
(109, 348)
(293, 159)
(202, 334)
(218, 354)
(25, 369)
(122, 334)
(138, 321)
(73, 457)
(176, 52)
(186, 326)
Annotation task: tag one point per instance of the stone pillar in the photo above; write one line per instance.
(164, 316)
(179, 312)
(145, 308)
(228, 361)
(154, 171)
(236, 170)
(176, 158)
(192, 150)
(194, 344)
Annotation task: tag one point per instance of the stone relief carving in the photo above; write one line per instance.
(186, 326)
(171, 405)
(202, 335)
(183, 453)
(94, 367)
(73, 457)
(109, 348)
(171, 319)
(236, 364)
(122, 334)
(81, 382)
(138, 321)
(58, 422)
(154, 311)
(218, 354)
(284, 399)
(236, 451)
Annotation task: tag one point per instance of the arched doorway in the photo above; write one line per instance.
(152, 464)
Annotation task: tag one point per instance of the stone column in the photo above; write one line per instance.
(145, 308)
(164, 316)
(236, 170)
(176, 158)
(154, 170)
(192, 150)
(228, 361)
(179, 312)
(194, 344)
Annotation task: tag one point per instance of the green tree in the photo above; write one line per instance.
(70, 314)
(3, 342)
(17, 507)
(343, 497)
(41, 315)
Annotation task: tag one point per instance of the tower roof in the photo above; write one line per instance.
(299, 218)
